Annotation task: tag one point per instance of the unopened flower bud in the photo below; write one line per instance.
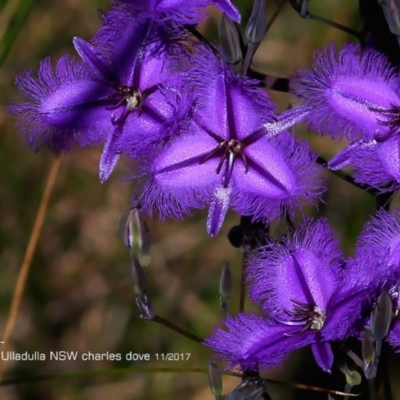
(145, 307)
(214, 379)
(256, 28)
(368, 354)
(138, 276)
(229, 41)
(225, 287)
(135, 234)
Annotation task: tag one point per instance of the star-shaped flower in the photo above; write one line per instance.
(119, 94)
(309, 296)
(230, 155)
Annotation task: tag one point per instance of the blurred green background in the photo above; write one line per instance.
(78, 295)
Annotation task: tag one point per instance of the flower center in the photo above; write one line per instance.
(228, 151)
(393, 117)
(311, 317)
(130, 96)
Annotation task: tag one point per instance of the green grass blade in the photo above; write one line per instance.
(13, 15)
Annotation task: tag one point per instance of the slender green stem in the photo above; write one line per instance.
(12, 19)
(177, 329)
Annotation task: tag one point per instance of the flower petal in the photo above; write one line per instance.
(282, 173)
(227, 7)
(64, 106)
(323, 355)
(345, 156)
(109, 159)
(253, 341)
(394, 335)
(88, 54)
(218, 209)
(306, 269)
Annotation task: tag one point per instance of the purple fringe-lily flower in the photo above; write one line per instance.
(353, 93)
(118, 93)
(309, 296)
(230, 155)
(182, 11)
(378, 259)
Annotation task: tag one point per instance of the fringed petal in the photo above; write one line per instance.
(306, 269)
(109, 159)
(255, 342)
(282, 174)
(378, 166)
(65, 106)
(379, 242)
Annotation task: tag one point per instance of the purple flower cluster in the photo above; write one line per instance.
(203, 134)
(200, 134)
(311, 296)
